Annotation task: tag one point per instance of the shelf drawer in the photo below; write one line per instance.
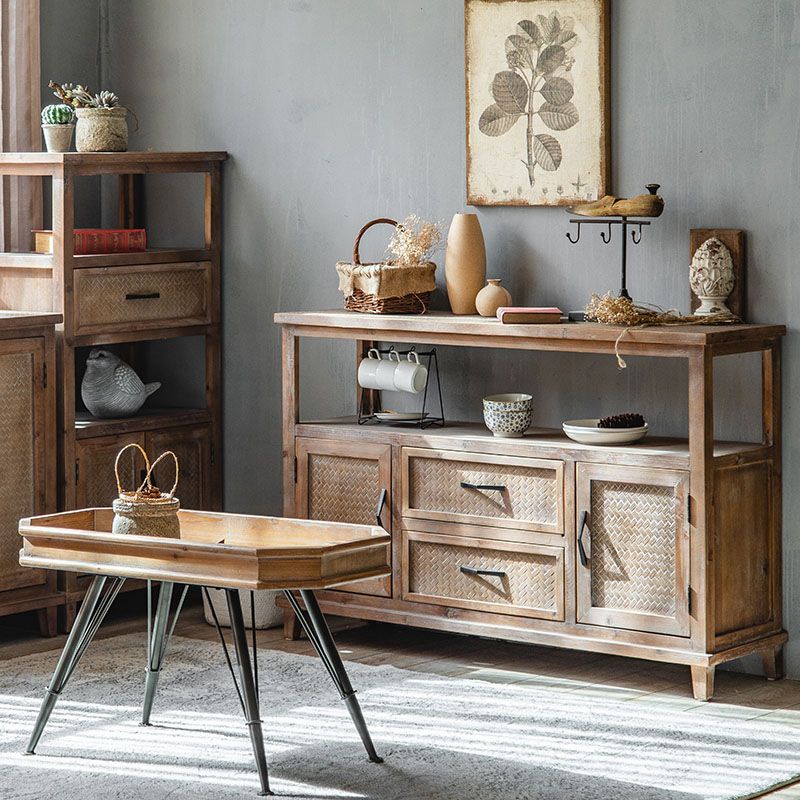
(453, 571)
(143, 297)
(522, 493)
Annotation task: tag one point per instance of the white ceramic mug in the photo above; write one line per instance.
(384, 374)
(367, 370)
(410, 375)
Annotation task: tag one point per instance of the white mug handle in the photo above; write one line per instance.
(416, 357)
(395, 354)
(371, 351)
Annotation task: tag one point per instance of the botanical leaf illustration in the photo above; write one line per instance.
(547, 151)
(550, 59)
(510, 92)
(520, 51)
(537, 59)
(558, 118)
(557, 91)
(495, 122)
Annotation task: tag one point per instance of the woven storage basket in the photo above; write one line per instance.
(383, 287)
(267, 614)
(146, 511)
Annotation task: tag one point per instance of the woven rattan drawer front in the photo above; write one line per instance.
(135, 298)
(524, 493)
(457, 571)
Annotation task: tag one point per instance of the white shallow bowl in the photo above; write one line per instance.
(586, 431)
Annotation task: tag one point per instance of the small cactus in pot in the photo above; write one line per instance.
(102, 122)
(58, 122)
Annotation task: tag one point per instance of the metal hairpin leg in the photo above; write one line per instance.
(158, 641)
(316, 628)
(92, 612)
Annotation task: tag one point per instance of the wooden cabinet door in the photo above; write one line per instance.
(343, 482)
(23, 474)
(95, 482)
(634, 569)
(192, 445)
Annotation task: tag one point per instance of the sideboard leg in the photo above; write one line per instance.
(93, 610)
(702, 682)
(291, 626)
(772, 661)
(48, 621)
(158, 641)
(318, 632)
(249, 697)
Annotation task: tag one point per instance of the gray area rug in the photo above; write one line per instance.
(442, 738)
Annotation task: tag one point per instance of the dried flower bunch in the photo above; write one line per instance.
(414, 241)
(79, 96)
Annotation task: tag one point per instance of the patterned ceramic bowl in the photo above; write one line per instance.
(508, 415)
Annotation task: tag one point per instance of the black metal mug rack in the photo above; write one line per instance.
(368, 416)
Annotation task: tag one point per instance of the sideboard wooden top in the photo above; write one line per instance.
(444, 327)
(13, 320)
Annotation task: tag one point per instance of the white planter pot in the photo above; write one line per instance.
(268, 615)
(58, 138)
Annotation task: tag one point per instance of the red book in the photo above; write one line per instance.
(95, 241)
(515, 315)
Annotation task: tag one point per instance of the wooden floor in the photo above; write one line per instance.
(736, 695)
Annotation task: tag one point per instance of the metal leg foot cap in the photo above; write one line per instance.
(376, 759)
(145, 725)
(268, 793)
(29, 753)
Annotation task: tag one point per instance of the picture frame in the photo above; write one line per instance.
(537, 101)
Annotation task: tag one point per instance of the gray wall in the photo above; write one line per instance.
(336, 112)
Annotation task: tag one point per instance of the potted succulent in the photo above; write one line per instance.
(102, 122)
(58, 122)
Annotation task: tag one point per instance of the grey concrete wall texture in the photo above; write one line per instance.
(335, 112)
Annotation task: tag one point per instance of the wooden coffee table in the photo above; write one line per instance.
(226, 551)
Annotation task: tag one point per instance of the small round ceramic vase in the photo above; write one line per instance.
(712, 277)
(492, 297)
(464, 263)
(508, 416)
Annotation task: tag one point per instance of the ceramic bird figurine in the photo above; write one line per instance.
(111, 388)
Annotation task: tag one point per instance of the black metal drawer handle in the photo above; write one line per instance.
(494, 573)
(486, 487)
(379, 508)
(143, 296)
(581, 550)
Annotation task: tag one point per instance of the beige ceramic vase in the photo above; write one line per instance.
(464, 263)
(101, 130)
(492, 297)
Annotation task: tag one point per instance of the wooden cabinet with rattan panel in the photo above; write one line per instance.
(28, 471)
(668, 550)
(119, 299)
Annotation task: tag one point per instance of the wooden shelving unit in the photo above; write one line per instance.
(669, 549)
(124, 299)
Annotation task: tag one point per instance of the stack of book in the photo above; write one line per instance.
(95, 241)
(538, 315)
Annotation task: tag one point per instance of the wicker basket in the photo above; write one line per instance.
(146, 511)
(383, 287)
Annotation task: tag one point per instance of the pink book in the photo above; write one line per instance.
(533, 314)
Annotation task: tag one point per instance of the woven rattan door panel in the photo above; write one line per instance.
(21, 473)
(94, 468)
(501, 577)
(135, 298)
(499, 491)
(192, 446)
(636, 547)
(344, 482)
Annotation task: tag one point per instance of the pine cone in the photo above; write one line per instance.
(627, 420)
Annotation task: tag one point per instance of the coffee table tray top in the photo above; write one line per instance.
(234, 551)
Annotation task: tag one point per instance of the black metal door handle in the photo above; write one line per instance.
(379, 508)
(495, 573)
(486, 487)
(581, 549)
(143, 296)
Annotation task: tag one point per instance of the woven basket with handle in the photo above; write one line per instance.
(147, 511)
(383, 287)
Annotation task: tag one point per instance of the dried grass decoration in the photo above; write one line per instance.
(147, 511)
(401, 284)
(611, 310)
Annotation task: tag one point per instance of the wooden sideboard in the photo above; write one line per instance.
(28, 467)
(680, 557)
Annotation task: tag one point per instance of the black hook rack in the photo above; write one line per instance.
(606, 236)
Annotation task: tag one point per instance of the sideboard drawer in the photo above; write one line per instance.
(159, 296)
(499, 491)
(457, 571)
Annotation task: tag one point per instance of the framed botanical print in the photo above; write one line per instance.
(537, 101)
